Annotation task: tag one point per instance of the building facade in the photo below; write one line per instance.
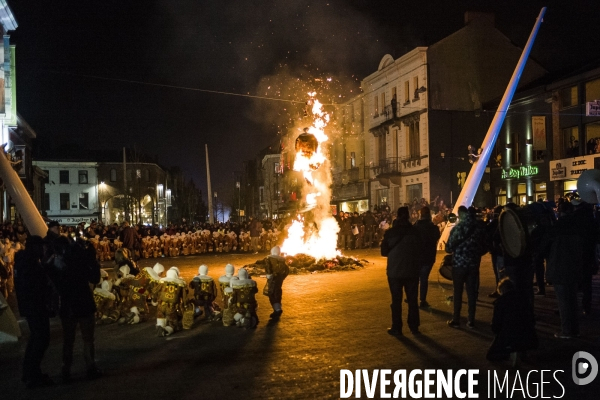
(424, 109)
(71, 191)
(140, 192)
(350, 169)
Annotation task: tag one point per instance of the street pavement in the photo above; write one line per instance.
(331, 321)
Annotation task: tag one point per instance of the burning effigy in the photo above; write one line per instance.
(311, 242)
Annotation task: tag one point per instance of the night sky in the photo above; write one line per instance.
(77, 62)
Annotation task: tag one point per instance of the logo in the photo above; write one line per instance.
(585, 368)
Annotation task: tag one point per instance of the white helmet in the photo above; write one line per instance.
(124, 270)
(158, 268)
(175, 269)
(243, 274)
(203, 270)
(275, 251)
(229, 270)
(172, 274)
(103, 274)
(106, 285)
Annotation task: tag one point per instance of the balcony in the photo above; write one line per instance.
(351, 175)
(382, 120)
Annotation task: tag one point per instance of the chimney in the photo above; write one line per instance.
(484, 17)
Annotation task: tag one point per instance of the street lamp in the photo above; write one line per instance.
(216, 208)
(102, 187)
(237, 185)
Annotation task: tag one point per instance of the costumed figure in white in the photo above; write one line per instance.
(203, 293)
(277, 270)
(106, 312)
(226, 292)
(171, 296)
(243, 300)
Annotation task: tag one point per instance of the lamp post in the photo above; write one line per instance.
(100, 203)
(237, 185)
(216, 208)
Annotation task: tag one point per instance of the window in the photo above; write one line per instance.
(382, 196)
(147, 175)
(406, 92)
(261, 193)
(414, 192)
(64, 176)
(383, 101)
(47, 178)
(352, 113)
(381, 150)
(394, 92)
(277, 168)
(83, 177)
(501, 198)
(46, 202)
(515, 149)
(414, 140)
(571, 141)
(84, 199)
(592, 136)
(129, 175)
(540, 191)
(113, 175)
(376, 106)
(592, 90)
(570, 186)
(352, 159)
(522, 194)
(416, 86)
(568, 97)
(65, 201)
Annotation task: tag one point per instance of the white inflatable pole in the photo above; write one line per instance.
(465, 198)
(31, 216)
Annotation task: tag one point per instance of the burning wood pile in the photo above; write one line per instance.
(304, 264)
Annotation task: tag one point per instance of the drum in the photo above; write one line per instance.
(446, 267)
(518, 226)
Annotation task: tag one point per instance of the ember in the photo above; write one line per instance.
(303, 263)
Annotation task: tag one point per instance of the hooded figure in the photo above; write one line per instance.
(204, 292)
(226, 292)
(170, 299)
(243, 301)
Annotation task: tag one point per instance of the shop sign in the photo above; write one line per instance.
(516, 173)
(571, 168)
(72, 220)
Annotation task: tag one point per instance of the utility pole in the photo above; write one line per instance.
(211, 218)
(125, 185)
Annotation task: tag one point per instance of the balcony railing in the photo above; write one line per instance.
(387, 166)
(351, 175)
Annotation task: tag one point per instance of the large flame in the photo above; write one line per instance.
(316, 238)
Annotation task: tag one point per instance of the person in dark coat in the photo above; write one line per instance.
(467, 243)
(512, 323)
(370, 228)
(72, 270)
(430, 234)
(584, 214)
(255, 230)
(33, 295)
(129, 238)
(345, 232)
(564, 249)
(403, 246)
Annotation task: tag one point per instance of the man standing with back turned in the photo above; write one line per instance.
(402, 245)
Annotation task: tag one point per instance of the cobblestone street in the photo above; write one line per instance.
(331, 321)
